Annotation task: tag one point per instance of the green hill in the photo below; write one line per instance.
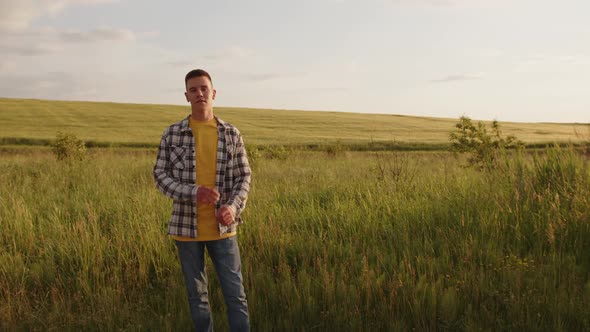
(31, 121)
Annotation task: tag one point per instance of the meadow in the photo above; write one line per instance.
(360, 241)
(30, 121)
(333, 239)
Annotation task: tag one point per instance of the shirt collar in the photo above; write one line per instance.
(222, 125)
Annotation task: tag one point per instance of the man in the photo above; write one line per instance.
(202, 166)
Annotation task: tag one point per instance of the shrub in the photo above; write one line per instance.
(483, 148)
(68, 147)
(394, 166)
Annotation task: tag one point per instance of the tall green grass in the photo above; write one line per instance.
(332, 241)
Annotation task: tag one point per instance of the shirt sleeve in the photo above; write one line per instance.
(241, 173)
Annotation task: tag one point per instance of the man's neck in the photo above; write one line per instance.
(202, 115)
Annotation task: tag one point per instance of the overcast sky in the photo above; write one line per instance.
(510, 60)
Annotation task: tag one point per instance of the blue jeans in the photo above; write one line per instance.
(225, 255)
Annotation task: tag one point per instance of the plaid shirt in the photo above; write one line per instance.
(174, 174)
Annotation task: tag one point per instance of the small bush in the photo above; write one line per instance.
(394, 166)
(67, 147)
(484, 148)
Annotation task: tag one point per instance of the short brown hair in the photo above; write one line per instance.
(197, 73)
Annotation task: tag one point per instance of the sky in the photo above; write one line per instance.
(508, 60)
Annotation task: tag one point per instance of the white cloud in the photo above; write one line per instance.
(96, 35)
(48, 40)
(17, 38)
(56, 85)
(17, 15)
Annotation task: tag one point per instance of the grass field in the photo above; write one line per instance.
(26, 121)
(334, 239)
(361, 241)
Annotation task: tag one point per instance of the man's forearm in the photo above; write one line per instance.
(174, 189)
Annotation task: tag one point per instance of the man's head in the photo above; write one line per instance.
(199, 89)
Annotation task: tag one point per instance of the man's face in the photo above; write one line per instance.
(200, 93)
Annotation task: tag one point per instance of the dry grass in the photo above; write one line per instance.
(143, 124)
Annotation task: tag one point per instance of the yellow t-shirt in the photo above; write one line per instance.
(205, 134)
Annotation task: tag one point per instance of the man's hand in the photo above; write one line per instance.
(207, 195)
(225, 215)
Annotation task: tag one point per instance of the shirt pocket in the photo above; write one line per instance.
(178, 157)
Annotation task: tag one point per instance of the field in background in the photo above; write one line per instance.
(334, 239)
(27, 121)
(346, 241)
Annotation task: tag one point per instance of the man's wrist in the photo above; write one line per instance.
(231, 208)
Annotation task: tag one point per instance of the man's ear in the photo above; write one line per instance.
(186, 96)
(214, 93)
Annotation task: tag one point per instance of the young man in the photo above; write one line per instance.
(202, 166)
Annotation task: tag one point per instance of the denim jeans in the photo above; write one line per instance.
(225, 255)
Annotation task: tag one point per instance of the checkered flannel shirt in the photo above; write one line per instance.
(174, 174)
